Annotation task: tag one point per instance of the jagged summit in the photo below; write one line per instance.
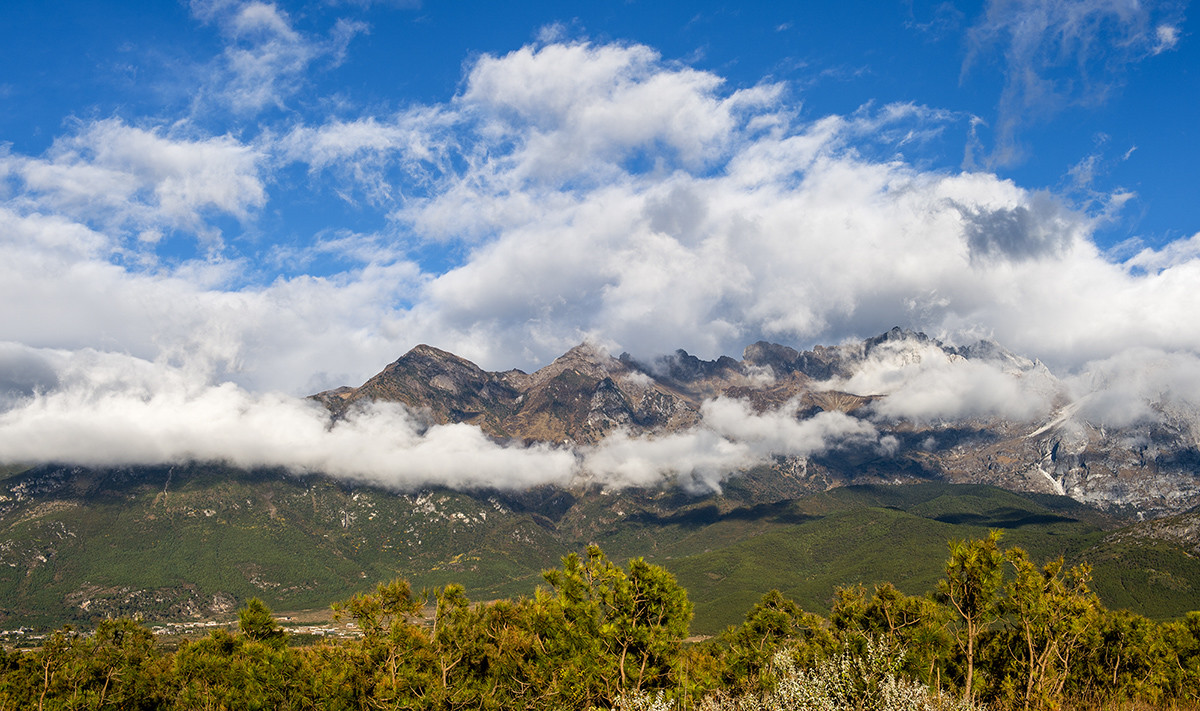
(989, 436)
(587, 359)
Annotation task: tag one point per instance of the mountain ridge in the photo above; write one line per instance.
(587, 395)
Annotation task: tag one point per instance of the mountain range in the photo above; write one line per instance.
(1148, 466)
(909, 451)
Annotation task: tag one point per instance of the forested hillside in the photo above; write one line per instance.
(999, 629)
(196, 542)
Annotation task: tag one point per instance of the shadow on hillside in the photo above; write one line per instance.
(1008, 517)
(778, 512)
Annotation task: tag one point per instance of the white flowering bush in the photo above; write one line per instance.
(642, 701)
(850, 681)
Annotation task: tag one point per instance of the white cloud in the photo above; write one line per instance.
(780, 432)
(579, 111)
(125, 177)
(262, 17)
(373, 157)
(1173, 255)
(115, 410)
(736, 222)
(102, 409)
(730, 437)
(297, 335)
(922, 383)
(786, 234)
(1167, 36)
(1141, 385)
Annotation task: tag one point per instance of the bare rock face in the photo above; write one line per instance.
(1181, 529)
(585, 395)
(581, 397)
(448, 388)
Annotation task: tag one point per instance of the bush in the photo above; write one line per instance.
(852, 680)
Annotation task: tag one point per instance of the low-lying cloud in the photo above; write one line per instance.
(118, 411)
(111, 410)
(732, 437)
(101, 409)
(921, 382)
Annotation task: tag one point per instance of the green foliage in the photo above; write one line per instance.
(913, 623)
(1180, 660)
(166, 543)
(1050, 611)
(226, 672)
(601, 635)
(117, 667)
(256, 623)
(774, 623)
(971, 591)
(379, 613)
(1122, 659)
(1156, 578)
(614, 630)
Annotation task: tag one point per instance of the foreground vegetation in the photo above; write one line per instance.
(999, 630)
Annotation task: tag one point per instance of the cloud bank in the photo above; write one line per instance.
(99, 409)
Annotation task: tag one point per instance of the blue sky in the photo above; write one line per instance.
(223, 196)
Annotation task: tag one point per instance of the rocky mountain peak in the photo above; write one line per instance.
(780, 359)
(424, 350)
(586, 394)
(898, 334)
(821, 363)
(682, 367)
(588, 359)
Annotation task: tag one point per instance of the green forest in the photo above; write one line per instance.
(1000, 630)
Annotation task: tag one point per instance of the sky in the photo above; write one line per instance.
(211, 208)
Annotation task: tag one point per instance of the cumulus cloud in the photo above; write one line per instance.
(573, 106)
(298, 335)
(705, 220)
(121, 177)
(1019, 232)
(583, 209)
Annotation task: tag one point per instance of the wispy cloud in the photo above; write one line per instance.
(1059, 53)
(266, 59)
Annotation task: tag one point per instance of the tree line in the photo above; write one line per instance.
(1000, 631)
